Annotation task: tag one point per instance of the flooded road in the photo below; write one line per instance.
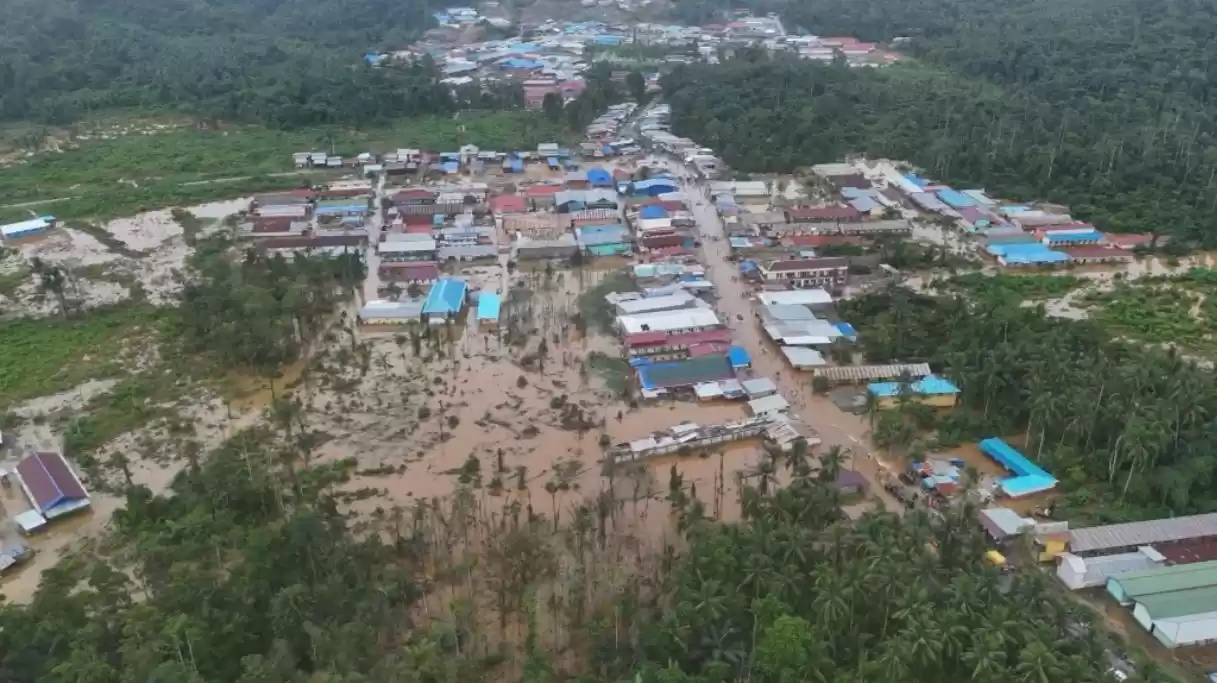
(835, 427)
(371, 284)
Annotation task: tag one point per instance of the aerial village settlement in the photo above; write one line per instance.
(592, 316)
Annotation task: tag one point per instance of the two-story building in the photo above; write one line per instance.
(831, 273)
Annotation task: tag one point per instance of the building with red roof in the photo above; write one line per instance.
(413, 196)
(508, 203)
(1128, 241)
(543, 190)
(1096, 254)
(661, 345)
(410, 272)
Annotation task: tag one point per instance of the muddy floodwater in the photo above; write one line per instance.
(526, 423)
(535, 421)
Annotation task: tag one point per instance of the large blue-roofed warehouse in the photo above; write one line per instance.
(1028, 477)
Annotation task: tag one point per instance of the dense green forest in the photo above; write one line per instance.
(1105, 106)
(247, 574)
(1128, 430)
(284, 63)
(777, 115)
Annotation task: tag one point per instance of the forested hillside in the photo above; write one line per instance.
(279, 62)
(1106, 106)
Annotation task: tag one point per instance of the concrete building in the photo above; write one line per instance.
(830, 273)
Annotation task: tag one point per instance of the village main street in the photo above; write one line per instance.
(835, 427)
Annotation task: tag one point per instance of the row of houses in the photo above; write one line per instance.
(1011, 234)
(1164, 571)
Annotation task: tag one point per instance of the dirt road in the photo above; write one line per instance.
(735, 304)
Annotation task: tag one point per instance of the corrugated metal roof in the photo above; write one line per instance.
(685, 372)
(1181, 603)
(1180, 577)
(854, 373)
(49, 481)
(1142, 533)
(928, 385)
(488, 306)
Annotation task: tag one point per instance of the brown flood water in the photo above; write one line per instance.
(477, 407)
(480, 391)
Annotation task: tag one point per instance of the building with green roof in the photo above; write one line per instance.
(1134, 586)
(1183, 617)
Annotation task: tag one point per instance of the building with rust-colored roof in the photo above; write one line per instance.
(823, 214)
(51, 486)
(508, 203)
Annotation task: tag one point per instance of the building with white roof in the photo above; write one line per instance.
(684, 320)
(677, 300)
(27, 228)
(796, 297)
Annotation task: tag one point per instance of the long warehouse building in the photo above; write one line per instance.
(1126, 538)
(1176, 604)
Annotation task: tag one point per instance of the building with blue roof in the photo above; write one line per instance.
(653, 187)
(916, 180)
(1025, 255)
(930, 390)
(864, 204)
(446, 298)
(489, 305)
(517, 63)
(1072, 238)
(1028, 477)
(955, 199)
(451, 167)
(341, 207)
(604, 240)
(653, 211)
(980, 197)
(847, 331)
(599, 177)
(739, 357)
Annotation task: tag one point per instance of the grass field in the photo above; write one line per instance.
(39, 357)
(139, 172)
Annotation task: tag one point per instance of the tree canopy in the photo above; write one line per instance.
(284, 63)
(259, 312)
(247, 573)
(1104, 106)
(1129, 430)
